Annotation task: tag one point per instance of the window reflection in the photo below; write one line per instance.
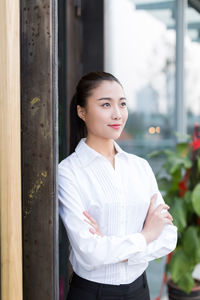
(143, 58)
(140, 49)
(192, 68)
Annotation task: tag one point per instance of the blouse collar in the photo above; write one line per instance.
(86, 154)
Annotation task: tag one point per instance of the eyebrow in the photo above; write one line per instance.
(108, 98)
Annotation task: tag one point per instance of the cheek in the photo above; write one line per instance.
(125, 115)
(98, 114)
(95, 117)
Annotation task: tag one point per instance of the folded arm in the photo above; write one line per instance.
(91, 250)
(167, 240)
(161, 246)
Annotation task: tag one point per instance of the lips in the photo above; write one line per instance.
(115, 126)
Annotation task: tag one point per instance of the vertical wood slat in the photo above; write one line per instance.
(10, 157)
(39, 148)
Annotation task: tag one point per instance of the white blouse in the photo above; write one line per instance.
(118, 199)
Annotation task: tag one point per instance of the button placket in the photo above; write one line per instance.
(122, 203)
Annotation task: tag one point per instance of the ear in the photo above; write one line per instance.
(81, 112)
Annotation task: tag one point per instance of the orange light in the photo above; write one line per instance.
(152, 130)
(158, 129)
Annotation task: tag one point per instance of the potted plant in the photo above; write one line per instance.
(179, 181)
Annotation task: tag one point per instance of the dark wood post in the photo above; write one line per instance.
(39, 148)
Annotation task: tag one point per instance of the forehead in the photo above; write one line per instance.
(108, 89)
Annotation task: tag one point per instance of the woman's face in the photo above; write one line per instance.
(106, 107)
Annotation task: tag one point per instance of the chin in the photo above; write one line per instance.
(113, 136)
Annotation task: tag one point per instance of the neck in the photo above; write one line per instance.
(104, 146)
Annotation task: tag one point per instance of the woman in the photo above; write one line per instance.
(114, 215)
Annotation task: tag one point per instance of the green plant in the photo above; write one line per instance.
(179, 182)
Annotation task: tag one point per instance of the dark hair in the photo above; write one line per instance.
(84, 87)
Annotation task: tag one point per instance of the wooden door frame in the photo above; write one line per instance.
(10, 152)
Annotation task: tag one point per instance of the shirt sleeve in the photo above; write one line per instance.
(167, 240)
(91, 251)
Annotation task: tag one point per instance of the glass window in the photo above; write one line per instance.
(140, 47)
(192, 68)
(140, 51)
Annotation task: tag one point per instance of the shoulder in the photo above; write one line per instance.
(68, 165)
(143, 169)
(139, 164)
(137, 160)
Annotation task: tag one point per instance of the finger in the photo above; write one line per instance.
(167, 215)
(161, 206)
(95, 232)
(92, 231)
(168, 221)
(170, 217)
(90, 223)
(89, 217)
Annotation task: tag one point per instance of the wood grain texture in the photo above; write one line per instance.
(10, 156)
(39, 149)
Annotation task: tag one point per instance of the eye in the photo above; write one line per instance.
(123, 104)
(106, 104)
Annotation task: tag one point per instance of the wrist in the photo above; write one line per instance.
(146, 236)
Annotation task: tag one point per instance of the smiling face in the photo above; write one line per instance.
(106, 113)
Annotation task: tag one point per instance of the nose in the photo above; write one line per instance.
(116, 114)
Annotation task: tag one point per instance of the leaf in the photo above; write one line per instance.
(191, 244)
(168, 152)
(169, 198)
(187, 163)
(155, 153)
(198, 163)
(176, 178)
(196, 199)
(183, 149)
(164, 184)
(186, 282)
(176, 162)
(179, 214)
(179, 265)
(182, 137)
(188, 201)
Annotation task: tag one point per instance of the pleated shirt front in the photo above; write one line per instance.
(118, 199)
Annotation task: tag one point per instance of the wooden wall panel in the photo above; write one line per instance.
(10, 157)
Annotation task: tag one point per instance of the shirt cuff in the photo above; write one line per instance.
(142, 241)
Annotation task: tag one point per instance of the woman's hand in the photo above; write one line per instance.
(156, 219)
(93, 223)
(95, 229)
